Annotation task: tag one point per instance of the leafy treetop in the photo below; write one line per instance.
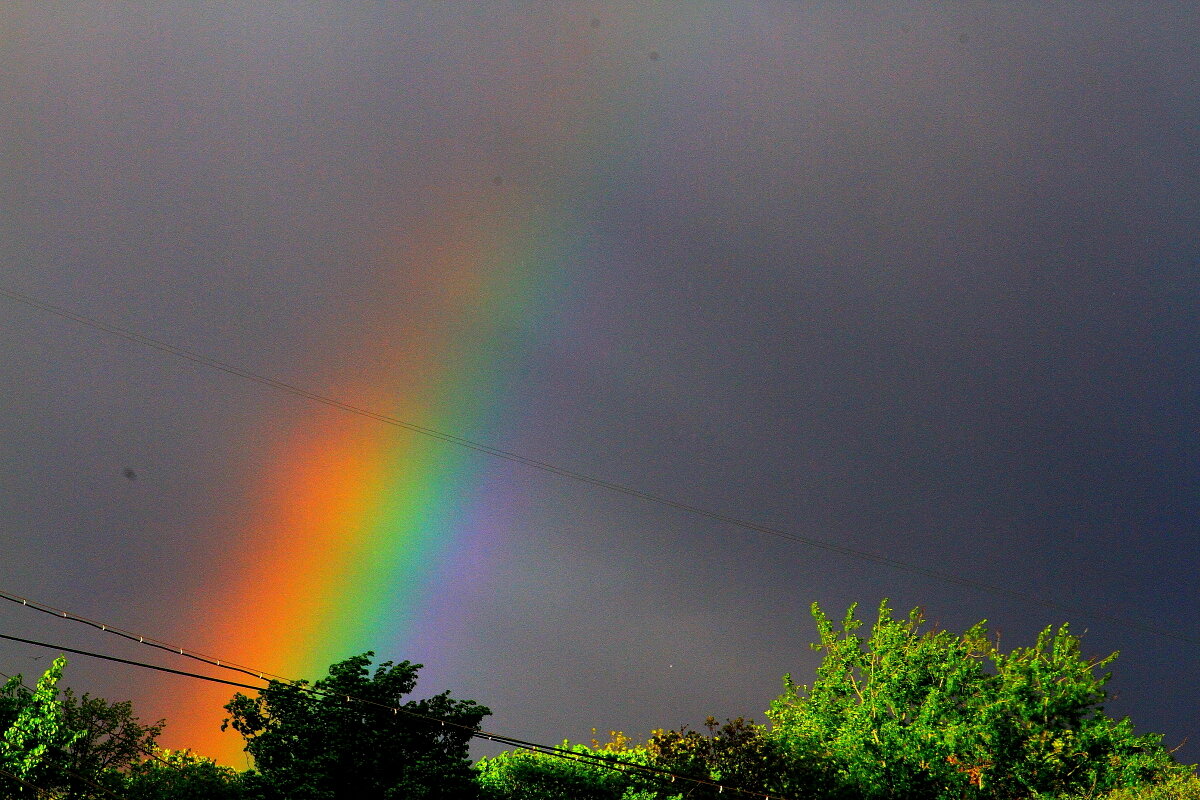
(913, 713)
(311, 743)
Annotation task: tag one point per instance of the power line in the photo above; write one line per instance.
(620, 488)
(174, 649)
(149, 641)
(544, 749)
(128, 662)
(490, 736)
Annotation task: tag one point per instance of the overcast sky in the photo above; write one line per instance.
(917, 282)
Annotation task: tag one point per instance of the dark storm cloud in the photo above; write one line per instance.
(921, 282)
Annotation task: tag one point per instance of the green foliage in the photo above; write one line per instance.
(111, 737)
(737, 754)
(109, 740)
(525, 775)
(182, 775)
(31, 748)
(902, 714)
(1182, 784)
(13, 697)
(65, 745)
(908, 713)
(319, 746)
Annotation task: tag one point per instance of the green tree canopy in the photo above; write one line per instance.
(913, 713)
(736, 754)
(526, 775)
(109, 740)
(311, 743)
(33, 745)
(69, 746)
(182, 775)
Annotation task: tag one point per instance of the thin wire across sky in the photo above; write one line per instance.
(544, 749)
(620, 488)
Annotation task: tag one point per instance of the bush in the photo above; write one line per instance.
(908, 713)
(526, 775)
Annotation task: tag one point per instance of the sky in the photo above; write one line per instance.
(920, 282)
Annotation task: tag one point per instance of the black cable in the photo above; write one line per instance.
(475, 732)
(136, 637)
(131, 663)
(620, 488)
(59, 613)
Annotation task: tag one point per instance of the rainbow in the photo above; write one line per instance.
(355, 523)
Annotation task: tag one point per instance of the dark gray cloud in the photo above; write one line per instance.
(922, 283)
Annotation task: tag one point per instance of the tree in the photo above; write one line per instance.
(34, 742)
(579, 773)
(1179, 785)
(71, 746)
(737, 754)
(109, 741)
(182, 775)
(908, 713)
(322, 742)
(527, 775)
